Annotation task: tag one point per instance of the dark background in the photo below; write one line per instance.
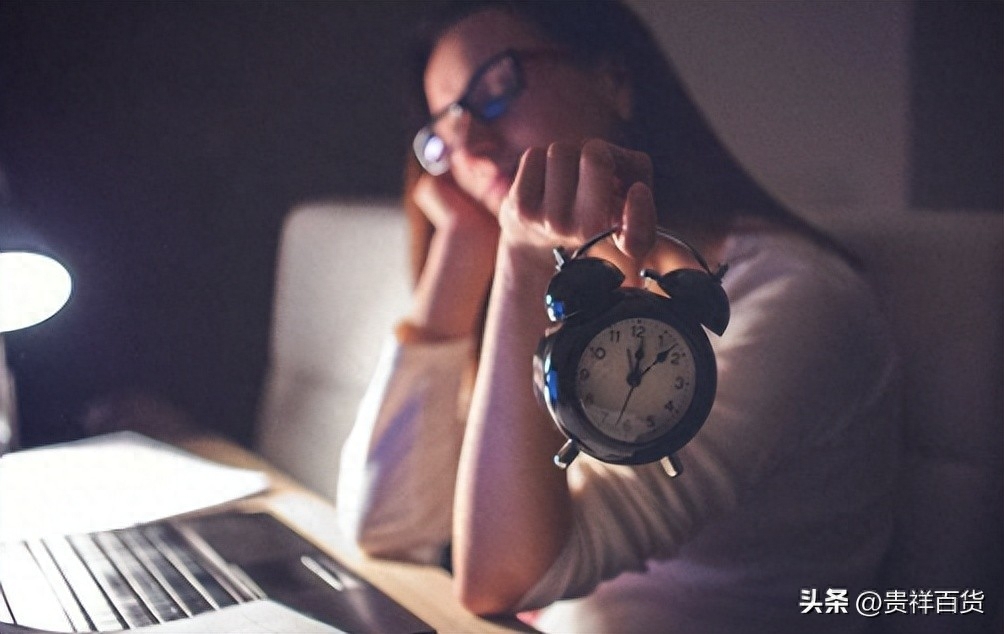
(155, 147)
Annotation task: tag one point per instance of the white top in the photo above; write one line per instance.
(787, 486)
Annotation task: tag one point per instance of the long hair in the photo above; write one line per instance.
(700, 188)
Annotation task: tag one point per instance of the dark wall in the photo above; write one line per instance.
(155, 146)
(956, 103)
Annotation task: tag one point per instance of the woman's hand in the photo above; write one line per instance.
(454, 281)
(566, 194)
(448, 207)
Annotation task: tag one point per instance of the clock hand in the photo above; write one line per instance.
(659, 358)
(624, 406)
(635, 373)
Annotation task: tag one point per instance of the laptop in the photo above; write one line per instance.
(178, 568)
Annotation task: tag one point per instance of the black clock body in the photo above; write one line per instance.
(563, 355)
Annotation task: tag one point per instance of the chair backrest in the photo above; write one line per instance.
(341, 283)
(940, 276)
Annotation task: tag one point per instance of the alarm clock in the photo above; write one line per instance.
(627, 374)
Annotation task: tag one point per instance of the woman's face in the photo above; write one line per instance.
(561, 101)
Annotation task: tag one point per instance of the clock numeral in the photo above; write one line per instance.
(637, 331)
(583, 374)
(679, 383)
(615, 336)
(675, 358)
(668, 340)
(588, 399)
(650, 421)
(670, 406)
(598, 351)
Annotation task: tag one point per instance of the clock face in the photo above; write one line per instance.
(635, 379)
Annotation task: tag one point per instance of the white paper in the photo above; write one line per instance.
(109, 482)
(256, 617)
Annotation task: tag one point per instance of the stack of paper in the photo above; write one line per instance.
(109, 482)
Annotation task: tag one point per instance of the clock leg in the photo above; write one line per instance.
(671, 466)
(566, 454)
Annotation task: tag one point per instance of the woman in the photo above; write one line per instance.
(551, 122)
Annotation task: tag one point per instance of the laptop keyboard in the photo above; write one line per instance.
(114, 580)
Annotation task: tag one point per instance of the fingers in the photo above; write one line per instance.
(599, 197)
(568, 193)
(629, 165)
(561, 180)
(527, 192)
(638, 223)
(446, 205)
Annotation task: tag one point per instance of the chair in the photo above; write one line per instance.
(341, 283)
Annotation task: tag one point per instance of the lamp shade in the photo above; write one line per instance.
(33, 287)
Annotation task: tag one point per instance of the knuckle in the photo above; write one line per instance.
(558, 224)
(596, 156)
(561, 150)
(534, 154)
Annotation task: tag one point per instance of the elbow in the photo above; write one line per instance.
(486, 602)
(497, 581)
(491, 593)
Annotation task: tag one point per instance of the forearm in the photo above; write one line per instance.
(451, 290)
(512, 509)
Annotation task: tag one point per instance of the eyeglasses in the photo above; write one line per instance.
(492, 88)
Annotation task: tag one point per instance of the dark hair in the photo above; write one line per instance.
(697, 181)
(700, 188)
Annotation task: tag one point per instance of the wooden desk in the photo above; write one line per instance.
(425, 590)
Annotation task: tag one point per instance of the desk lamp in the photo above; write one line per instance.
(33, 287)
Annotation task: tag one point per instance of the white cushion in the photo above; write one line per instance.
(341, 284)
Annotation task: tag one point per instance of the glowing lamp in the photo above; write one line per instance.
(33, 287)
